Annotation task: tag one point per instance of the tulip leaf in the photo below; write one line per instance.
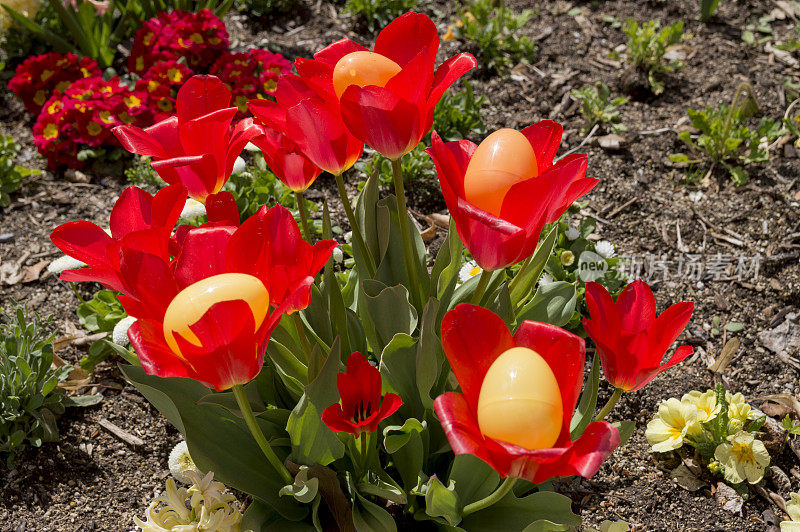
(527, 278)
(392, 268)
(446, 266)
(543, 525)
(625, 428)
(474, 479)
(259, 517)
(442, 501)
(585, 411)
(398, 368)
(405, 445)
(231, 453)
(512, 513)
(553, 303)
(369, 517)
(388, 311)
(312, 441)
(366, 214)
(318, 319)
(430, 356)
(464, 292)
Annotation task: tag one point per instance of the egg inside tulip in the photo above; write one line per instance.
(520, 401)
(503, 159)
(362, 69)
(193, 302)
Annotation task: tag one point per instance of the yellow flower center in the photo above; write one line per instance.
(94, 128)
(743, 452)
(39, 97)
(196, 38)
(46, 74)
(50, 131)
(54, 107)
(132, 101)
(174, 75)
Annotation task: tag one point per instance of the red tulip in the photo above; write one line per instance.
(197, 147)
(630, 340)
(473, 339)
(361, 407)
(502, 239)
(208, 312)
(387, 97)
(138, 220)
(286, 159)
(311, 122)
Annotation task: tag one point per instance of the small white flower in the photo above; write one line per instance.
(120, 334)
(338, 255)
(64, 263)
(348, 236)
(572, 233)
(695, 196)
(545, 279)
(193, 209)
(468, 271)
(605, 249)
(238, 166)
(180, 463)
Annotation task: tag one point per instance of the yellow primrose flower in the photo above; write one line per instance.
(793, 509)
(673, 422)
(706, 403)
(743, 458)
(204, 506)
(739, 412)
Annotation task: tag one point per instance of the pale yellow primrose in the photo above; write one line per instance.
(674, 420)
(743, 458)
(793, 509)
(205, 506)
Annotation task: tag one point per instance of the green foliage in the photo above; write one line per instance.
(29, 399)
(647, 45)
(707, 8)
(793, 44)
(11, 174)
(151, 8)
(493, 29)
(375, 14)
(262, 8)
(99, 314)
(458, 115)
(597, 107)
(419, 174)
(17, 43)
(140, 173)
(725, 139)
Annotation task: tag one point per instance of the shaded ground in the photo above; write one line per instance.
(642, 204)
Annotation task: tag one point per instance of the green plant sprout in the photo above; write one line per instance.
(458, 115)
(597, 107)
(707, 8)
(375, 14)
(11, 174)
(647, 45)
(726, 140)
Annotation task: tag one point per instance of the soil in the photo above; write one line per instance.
(91, 480)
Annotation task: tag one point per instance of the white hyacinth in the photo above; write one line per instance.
(120, 333)
(605, 249)
(572, 233)
(180, 463)
(64, 263)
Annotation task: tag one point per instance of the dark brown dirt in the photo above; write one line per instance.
(63, 487)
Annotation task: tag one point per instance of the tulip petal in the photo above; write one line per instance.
(104, 276)
(461, 427)
(221, 208)
(406, 36)
(473, 337)
(136, 140)
(564, 352)
(201, 95)
(331, 54)
(637, 307)
(335, 419)
(668, 326)
(147, 339)
(243, 132)
(83, 241)
(545, 138)
(198, 173)
(447, 74)
(268, 112)
(167, 206)
(644, 376)
(131, 212)
(202, 254)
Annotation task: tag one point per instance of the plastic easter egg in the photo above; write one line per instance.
(193, 302)
(362, 69)
(503, 159)
(520, 401)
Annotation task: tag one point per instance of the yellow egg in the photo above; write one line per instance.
(503, 159)
(520, 401)
(193, 302)
(362, 69)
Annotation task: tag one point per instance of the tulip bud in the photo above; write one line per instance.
(195, 300)
(362, 69)
(520, 400)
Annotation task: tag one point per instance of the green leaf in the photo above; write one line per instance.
(522, 286)
(259, 517)
(512, 513)
(473, 479)
(231, 453)
(312, 440)
(303, 489)
(734, 326)
(441, 501)
(585, 412)
(398, 368)
(82, 400)
(542, 525)
(369, 517)
(553, 303)
(389, 311)
(625, 428)
(738, 175)
(430, 356)
(405, 445)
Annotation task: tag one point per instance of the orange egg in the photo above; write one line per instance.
(193, 302)
(503, 159)
(520, 401)
(362, 69)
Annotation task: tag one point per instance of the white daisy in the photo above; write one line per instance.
(605, 249)
(468, 271)
(120, 334)
(572, 233)
(180, 463)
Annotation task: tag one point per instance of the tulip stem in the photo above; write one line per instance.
(498, 494)
(301, 205)
(255, 430)
(408, 246)
(483, 282)
(358, 239)
(609, 405)
(301, 333)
